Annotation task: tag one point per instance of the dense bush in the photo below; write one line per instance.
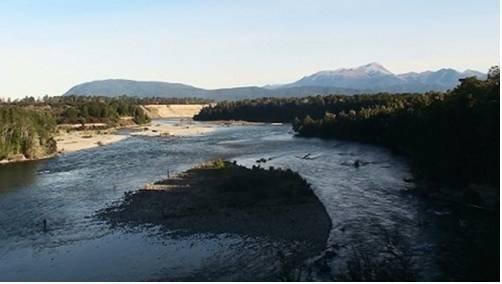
(287, 109)
(96, 110)
(82, 109)
(26, 131)
(240, 186)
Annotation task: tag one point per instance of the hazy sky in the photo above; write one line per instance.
(49, 46)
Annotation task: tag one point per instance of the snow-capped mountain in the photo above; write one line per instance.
(376, 77)
(368, 76)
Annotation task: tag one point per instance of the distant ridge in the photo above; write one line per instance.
(369, 78)
(115, 88)
(119, 87)
(376, 77)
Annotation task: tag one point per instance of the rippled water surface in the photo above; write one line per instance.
(68, 190)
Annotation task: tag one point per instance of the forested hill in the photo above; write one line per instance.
(448, 136)
(115, 88)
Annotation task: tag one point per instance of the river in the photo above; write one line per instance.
(69, 189)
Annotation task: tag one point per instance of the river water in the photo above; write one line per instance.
(69, 189)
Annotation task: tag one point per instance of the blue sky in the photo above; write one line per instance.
(48, 46)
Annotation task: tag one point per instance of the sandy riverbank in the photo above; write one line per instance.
(182, 128)
(187, 127)
(79, 140)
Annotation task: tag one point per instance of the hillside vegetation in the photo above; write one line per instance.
(27, 132)
(108, 110)
(73, 109)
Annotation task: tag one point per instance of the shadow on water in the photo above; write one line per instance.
(16, 175)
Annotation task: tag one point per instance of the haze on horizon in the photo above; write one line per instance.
(49, 46)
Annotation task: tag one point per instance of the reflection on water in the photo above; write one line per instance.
(17, 175)
(67, 191)
(137, 256)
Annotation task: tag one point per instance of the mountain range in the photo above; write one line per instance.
(369, 78)
(375, 77)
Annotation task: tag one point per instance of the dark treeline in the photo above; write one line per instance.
(45, 100)
(79, 109)
(93, 109)
(172, 101)
(287, 109)
(448, 136)
(26, 131)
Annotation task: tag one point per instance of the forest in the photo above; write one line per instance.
(58, 100)
(93, 109)
(451, 136)
(26, 131)
(74, 110)
(287, 109)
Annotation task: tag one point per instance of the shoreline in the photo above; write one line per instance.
(233, 122)
(182, 128)
(73, 141)
(69, 140)
(25, 160)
